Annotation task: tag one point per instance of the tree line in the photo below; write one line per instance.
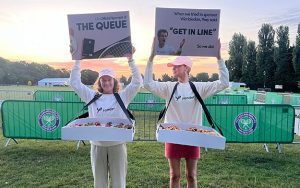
(271, 62)
(200, 77)
(23, 73)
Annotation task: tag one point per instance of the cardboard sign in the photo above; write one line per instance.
(100, 35)
(187, 32)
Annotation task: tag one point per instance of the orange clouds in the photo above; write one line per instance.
(120, 66)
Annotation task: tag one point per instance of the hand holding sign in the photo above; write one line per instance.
(152, 54)
(218, 46)
(73, 43)
(130, 55)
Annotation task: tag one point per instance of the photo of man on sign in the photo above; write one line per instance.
(165, 49)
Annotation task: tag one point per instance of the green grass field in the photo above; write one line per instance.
(40, 163)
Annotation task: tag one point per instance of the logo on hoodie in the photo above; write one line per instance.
(177, 97)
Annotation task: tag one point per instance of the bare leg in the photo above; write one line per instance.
(174, 173)
(191, 172)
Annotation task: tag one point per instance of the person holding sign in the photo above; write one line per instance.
(164, 49)
(107, 157)
(184, 108)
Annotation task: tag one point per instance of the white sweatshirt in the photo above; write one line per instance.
(106, 105)
(184, 106)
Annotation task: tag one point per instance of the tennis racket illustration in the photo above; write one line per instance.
(118, 49)
(121, 48)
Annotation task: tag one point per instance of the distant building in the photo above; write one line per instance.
(236, 85)
(54, 82)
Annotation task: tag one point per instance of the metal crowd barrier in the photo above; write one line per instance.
(59, 96)
(16, 95)
(226, 99)
(240, 123)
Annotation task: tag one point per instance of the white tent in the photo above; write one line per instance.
(235, 85)
(54, 82)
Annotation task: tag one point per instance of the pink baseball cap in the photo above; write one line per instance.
(181, 60)
(107, 72)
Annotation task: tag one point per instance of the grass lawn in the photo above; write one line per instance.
(40, 163)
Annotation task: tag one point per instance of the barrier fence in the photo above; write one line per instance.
(240, 123)
(65, 96)
(36, 119)
(16, 94)
(256, 123)
(147, 102)
(226, 99)
(141, 97)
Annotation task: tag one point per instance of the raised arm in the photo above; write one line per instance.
(84, 92)
(210, 88)
(157, 88)
(131, 90)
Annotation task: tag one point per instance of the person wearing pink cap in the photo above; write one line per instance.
(107, 158)
(184, 108)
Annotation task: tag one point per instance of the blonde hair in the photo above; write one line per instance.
(188, 69)
(97, 86)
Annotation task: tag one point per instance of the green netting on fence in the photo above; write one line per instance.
(274, 98)
(150, 102)
(147, 102)
(295, 100)
(226, 99)
(65, 96)
(250, 96)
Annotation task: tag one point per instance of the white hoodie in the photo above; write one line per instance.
(184, 106)
(106, 105)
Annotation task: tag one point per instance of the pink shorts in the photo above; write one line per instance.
(181, 151)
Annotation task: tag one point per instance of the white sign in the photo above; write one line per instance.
(100, 35)
(187, 32)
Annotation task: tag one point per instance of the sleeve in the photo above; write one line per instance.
(131, 90)
(207, 89)
(85, 93)
(160, 89)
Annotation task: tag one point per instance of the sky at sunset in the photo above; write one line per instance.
(37, 30)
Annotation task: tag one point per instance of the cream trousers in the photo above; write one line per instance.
(109, 161)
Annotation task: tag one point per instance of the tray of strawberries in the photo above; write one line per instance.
(99, 129)
(190, 134)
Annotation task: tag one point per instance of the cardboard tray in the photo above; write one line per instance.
(190, 138)
(98, 133)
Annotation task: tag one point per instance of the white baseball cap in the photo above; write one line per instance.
(181, 60)
(107, 72)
